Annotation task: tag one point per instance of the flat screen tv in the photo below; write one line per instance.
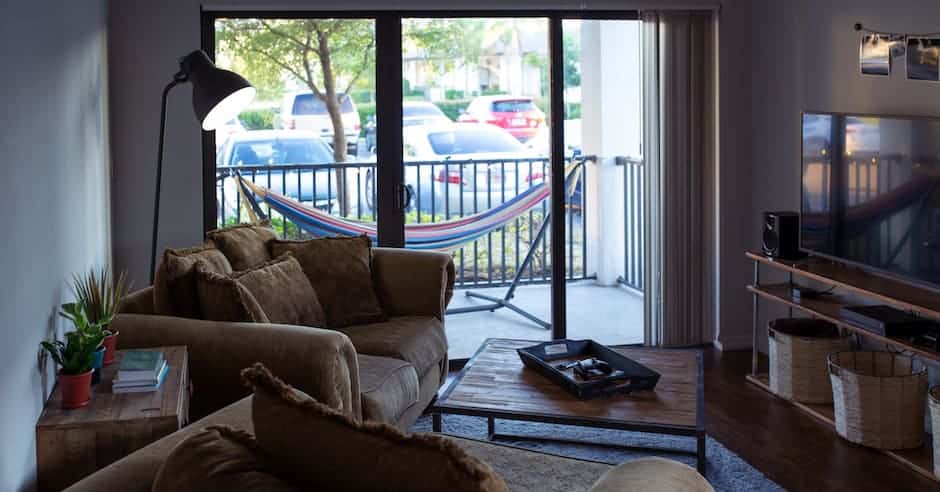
(871, 192)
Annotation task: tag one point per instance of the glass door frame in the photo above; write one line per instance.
(390, 175)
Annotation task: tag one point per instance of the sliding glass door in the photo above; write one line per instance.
(489, 136)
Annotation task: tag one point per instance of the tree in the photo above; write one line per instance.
(328, 56)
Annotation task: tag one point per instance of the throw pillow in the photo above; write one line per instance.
(354, 456)
(174, 283)
(221, 298)
(217, 459)
(283, 292)
(245, 245)
(340, 270)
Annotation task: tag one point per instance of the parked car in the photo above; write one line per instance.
(274, 148)
(305, 111)
(473, 185)
(226, 130)
(412, 113)
(516, 114)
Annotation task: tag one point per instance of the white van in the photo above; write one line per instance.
(304, 111)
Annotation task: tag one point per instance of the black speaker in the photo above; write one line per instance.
(781, 238)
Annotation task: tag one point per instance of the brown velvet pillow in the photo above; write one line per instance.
(283, 292)
(217, 459)
(174, 283)
(354, 456)
(221, 298)
(340, 270)
(245, 245)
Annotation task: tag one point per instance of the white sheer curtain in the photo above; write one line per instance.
(679, 150)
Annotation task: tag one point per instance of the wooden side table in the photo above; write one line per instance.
(72, 444)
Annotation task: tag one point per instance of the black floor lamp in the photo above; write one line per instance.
(218, 96)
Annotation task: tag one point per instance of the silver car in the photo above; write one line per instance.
(297, 164)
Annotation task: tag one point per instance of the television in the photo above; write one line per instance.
(871, 193)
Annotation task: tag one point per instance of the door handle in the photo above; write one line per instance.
(405, 196)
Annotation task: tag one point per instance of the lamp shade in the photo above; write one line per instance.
(218, 95)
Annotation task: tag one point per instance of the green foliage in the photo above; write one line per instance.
(366, 111)
(453, 108)
(76, 354)
(258, 119)
(363, 96)
(100, 295)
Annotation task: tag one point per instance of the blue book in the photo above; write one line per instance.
(138, 386)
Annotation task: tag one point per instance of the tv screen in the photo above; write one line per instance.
(871, 192)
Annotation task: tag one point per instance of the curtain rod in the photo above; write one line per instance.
(305, 7)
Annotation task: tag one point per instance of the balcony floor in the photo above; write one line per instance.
(608, 315)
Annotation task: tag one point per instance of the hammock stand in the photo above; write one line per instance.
(573, 172)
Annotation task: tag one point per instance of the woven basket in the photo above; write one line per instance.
(933, 400)
(798, 351)
(878, 398)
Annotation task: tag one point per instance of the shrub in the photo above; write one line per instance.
(257, 119)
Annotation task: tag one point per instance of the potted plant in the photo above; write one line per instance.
(75, 356)
(101, 295)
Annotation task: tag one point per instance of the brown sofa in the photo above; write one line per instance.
(522, 470)
(387, 371)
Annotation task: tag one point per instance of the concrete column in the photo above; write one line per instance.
(610, 127)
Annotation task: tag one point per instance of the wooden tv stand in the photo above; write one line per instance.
(851, 285)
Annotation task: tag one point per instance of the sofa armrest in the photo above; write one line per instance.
(412, 282)
(322, 363)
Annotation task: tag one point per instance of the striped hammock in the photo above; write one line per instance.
(437, 236)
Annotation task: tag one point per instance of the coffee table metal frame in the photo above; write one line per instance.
(441, 407)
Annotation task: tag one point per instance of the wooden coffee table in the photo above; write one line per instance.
(72, 444)
(494, 384)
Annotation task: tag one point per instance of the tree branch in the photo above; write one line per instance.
(362, 66)
(282, 34)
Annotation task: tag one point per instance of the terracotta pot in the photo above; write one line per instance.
(110, 345)
(76, 389)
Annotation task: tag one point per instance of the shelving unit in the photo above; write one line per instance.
(853, 285)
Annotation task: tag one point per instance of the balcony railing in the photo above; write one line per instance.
(441, 191)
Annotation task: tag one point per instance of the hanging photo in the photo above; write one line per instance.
(923, 59)
(875, 54)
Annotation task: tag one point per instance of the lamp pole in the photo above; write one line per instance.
(178, 78)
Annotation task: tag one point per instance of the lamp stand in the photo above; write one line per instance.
(179, 78)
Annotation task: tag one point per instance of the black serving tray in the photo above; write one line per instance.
(634, 377)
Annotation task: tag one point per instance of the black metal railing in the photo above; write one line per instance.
(441, 191)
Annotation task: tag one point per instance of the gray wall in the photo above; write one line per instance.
(147, 38)
(805, 57)
(56, 206)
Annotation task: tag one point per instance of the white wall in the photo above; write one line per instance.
(55, 212)
(148, 37)
(805, 57)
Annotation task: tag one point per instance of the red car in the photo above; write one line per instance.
(516, 114)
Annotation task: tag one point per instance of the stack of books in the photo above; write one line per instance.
(140, 371)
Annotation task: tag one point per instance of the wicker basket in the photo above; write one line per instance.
(798, 351)
(933, 400)
(878, 398)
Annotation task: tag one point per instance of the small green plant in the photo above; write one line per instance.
(76, 354)
(100, 295)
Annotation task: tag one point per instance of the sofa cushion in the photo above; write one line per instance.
(221, 298)
(245, 245)
(218, 458)
(389, 387)
(340, 269)
(318, 448)
(174, 282)
(283, 292)
(419, 340)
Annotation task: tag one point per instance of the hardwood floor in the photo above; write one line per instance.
(789, 447)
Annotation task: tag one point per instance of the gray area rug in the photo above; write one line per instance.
(725, 470)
